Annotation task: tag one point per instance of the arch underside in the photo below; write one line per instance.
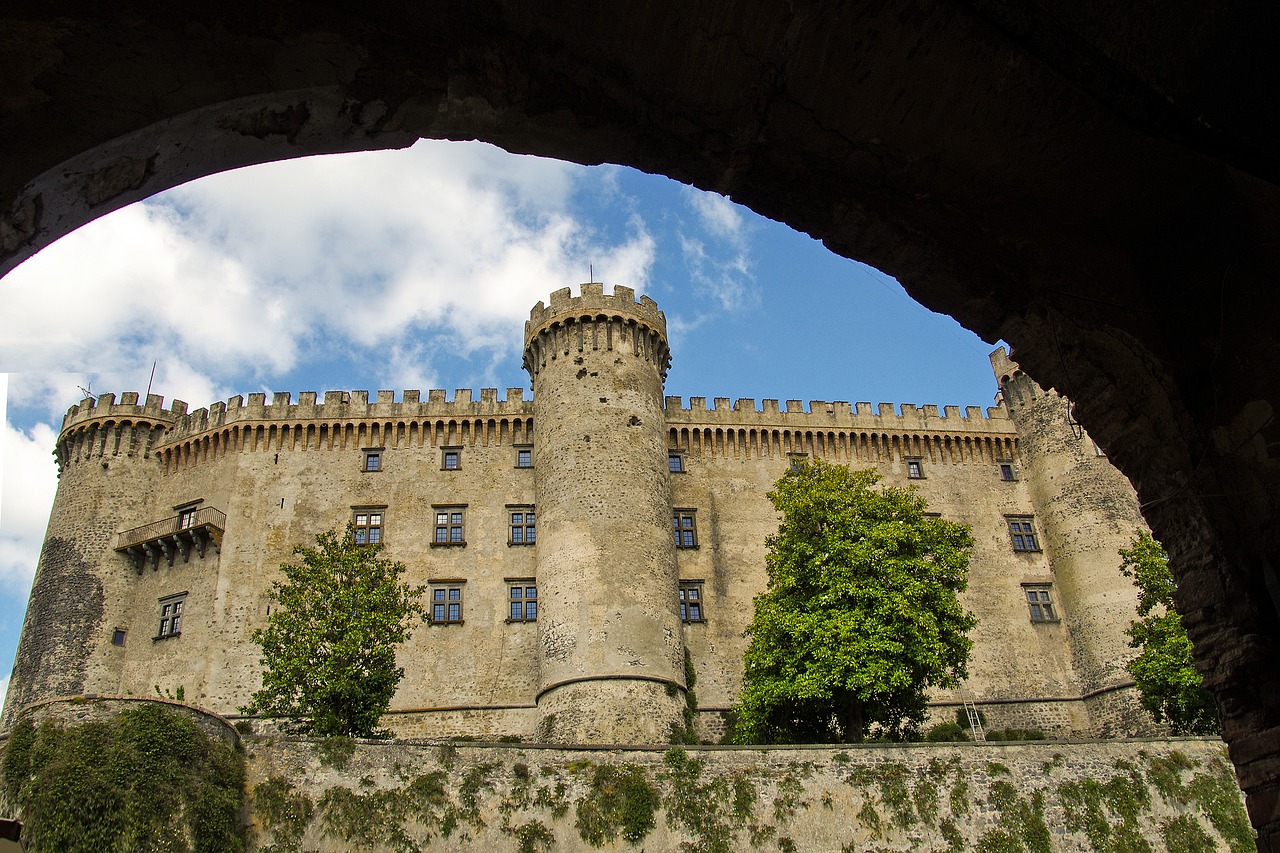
(1098, 190)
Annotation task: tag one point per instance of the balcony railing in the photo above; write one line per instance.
(181, 534)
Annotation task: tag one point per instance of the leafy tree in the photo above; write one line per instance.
(861, 615)
(329, 649)
(1171, 687)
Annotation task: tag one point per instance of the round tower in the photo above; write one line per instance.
(610, 643)
(105, 472)
(1086, 512)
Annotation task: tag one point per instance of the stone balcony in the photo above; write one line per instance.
(180, 534)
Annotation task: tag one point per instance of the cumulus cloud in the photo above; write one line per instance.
(30, 479)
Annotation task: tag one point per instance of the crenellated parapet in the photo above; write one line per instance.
(840, 431)
(352, 407)
(100, 427)
(595, 322)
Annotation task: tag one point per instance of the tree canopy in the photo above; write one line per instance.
(1172, 688)
(329, 648)
(861, 615)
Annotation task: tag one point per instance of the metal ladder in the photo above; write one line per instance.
(975, 722)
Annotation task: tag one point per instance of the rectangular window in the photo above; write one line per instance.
(675, 462)
(170, 616)
(685, 529)
(451, 458)
(524, 530)
(1040, 603)
(372, 460)
(367, 526)
(915, 468)
(449, 525)
(117, 637)
(1006, 471)
(524, 457)
(446, 603)
(523, 595)
(691, 602)
(798, 460)
(1022, 531)
(187, 516)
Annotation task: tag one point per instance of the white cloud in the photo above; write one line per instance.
(4, 689)
(30, 480)
(723, 270)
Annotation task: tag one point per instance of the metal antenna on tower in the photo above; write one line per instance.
(87, 392)
(152, 379)
(591, 273)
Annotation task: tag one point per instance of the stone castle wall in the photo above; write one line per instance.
(283, 472)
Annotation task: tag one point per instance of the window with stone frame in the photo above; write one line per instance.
(524, 457)
(187, 515)
(686, 528)
(170, 616)
(372, 460)
(523, 529)
(451, 458)
(1007, 472)
(117, 636)
(675, 462)
(450, 527)
(446, 602)
(366, 525)
(691, 602)
(1040, 602)
(1022, 531)
(915, 468)
(522, 600)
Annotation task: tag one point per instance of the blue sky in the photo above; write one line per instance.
(417, 269)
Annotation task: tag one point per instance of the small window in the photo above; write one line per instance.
(675, 462)
(450, 525)
(524, 457)
(372, 460)
(1040, 603)
(686, 529)
(523, 600)
(451, 458)
(446, 603)
(170, 616)
(117, 636)
(524, 530)
(1006, 472)
(691, 602)
(915, 468)
(367, 526)
(1022, 531)
(187, 516)
(797, 460)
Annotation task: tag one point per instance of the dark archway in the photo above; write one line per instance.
(1101, 191)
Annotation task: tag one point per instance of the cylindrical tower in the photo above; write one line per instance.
(1086, 511)
(611, 649)
(106, 466)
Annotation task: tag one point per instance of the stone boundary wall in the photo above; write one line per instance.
(74, 710)
(1062, 796)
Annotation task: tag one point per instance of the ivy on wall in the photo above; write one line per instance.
(147, 780)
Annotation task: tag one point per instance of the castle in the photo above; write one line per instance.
(574, 546)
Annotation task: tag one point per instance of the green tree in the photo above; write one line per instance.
(329, 648)
(861, 615)
(1172, 688)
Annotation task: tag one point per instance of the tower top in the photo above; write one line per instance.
(594, 303)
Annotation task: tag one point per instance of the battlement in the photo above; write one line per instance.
(593, 302)
(105, 408)
(823, 414)
(354, 406)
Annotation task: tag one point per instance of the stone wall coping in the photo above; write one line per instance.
(90, 700)
(826, 415)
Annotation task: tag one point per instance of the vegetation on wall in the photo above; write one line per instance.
(147, 780)
(861, 617)
(958, 800)
(329, 648)
(1172, 688)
